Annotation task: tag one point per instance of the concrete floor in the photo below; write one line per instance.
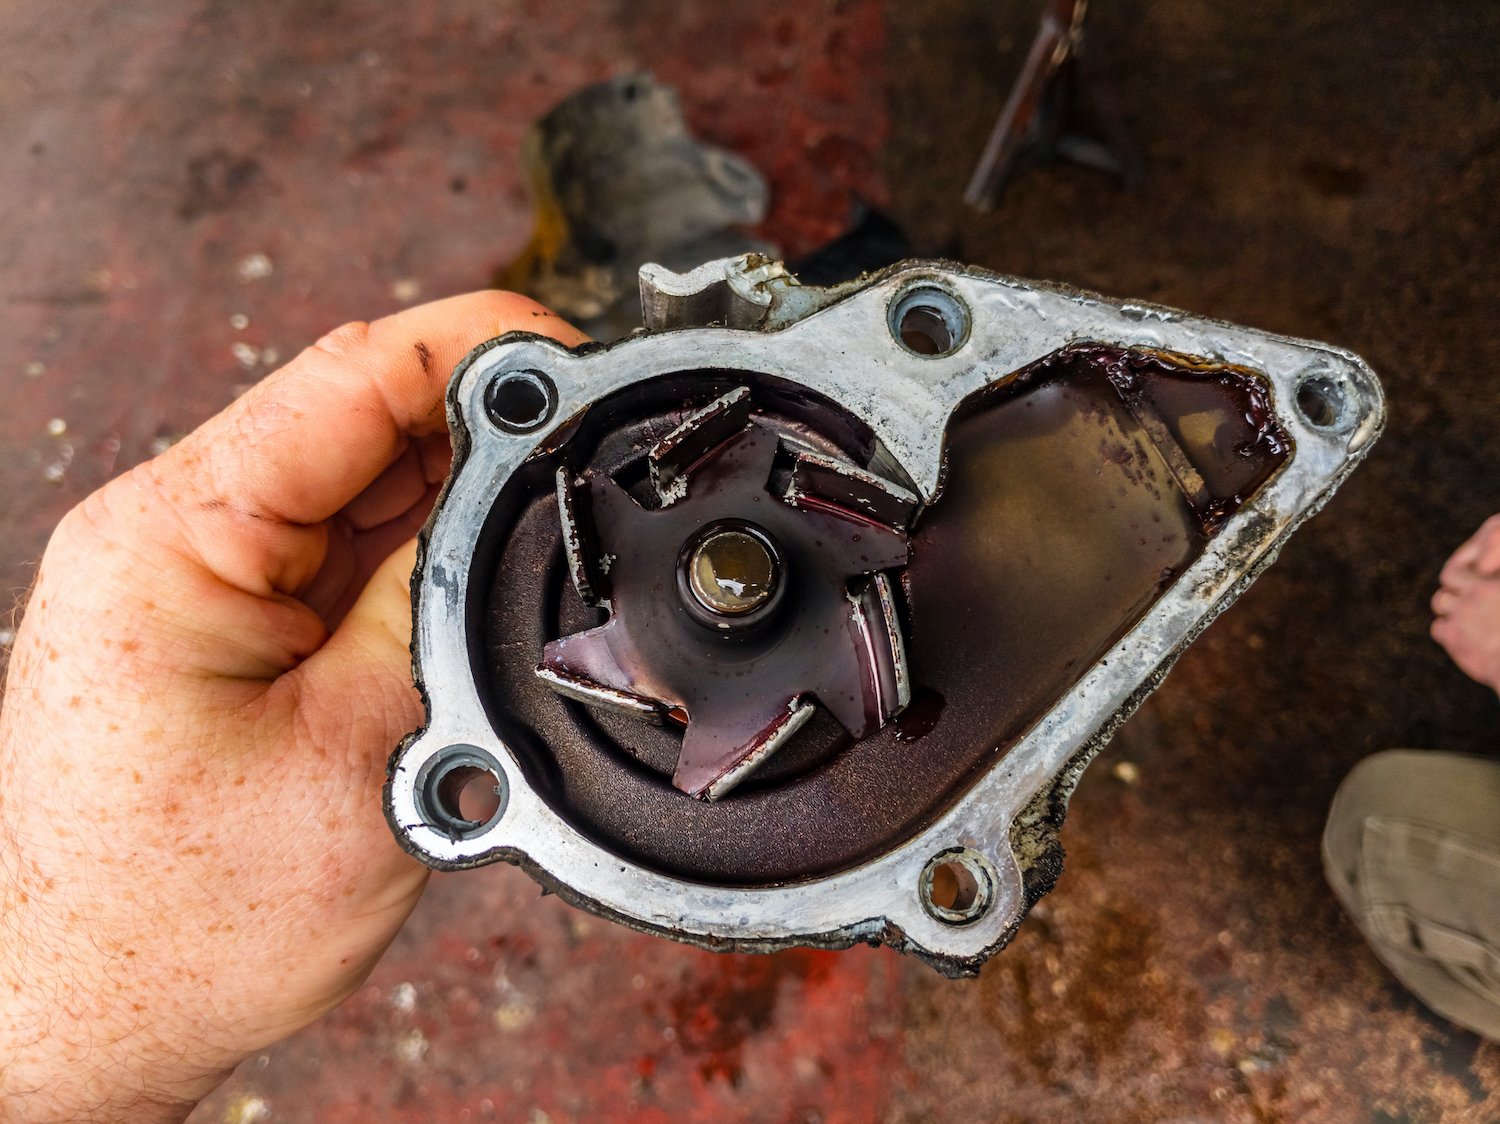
(1322, 170)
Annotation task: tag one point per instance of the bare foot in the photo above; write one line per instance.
(1468, 605)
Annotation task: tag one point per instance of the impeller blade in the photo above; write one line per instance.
(593, 667)
(676, 453)
(741, 687)
(719, 751)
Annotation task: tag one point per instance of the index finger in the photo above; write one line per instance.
(259, 479)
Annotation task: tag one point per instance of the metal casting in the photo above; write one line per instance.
(795, 618)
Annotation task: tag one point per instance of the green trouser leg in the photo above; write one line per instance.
(1412, 848)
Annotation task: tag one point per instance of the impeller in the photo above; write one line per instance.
(749, 583)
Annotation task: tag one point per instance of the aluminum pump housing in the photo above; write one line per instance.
(795, 617)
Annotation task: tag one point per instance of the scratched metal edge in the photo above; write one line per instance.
(461, 438)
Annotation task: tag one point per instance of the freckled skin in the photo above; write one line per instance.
(198, 709)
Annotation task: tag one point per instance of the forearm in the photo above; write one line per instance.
(87, 1047)
(89, 1026)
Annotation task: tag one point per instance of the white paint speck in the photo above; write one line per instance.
(56, 427)
(406, 290)
(412, 1047)
(269, 356)
(7, 637)
(247, 355)
(1127, 771)
(239, 321)
(404, 997)
(255, 267)
(515, 1014)
(638, 982)
(35, 369)
(246, 1109)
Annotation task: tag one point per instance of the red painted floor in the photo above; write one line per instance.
(1323, 170)
(495, 1003)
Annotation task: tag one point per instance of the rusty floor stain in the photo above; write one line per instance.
(195, 190)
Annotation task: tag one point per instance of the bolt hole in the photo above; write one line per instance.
(929, 321)
(924, 331)
(461, 791)
(470, 794)
(1321, 402)
(954, 887)
(957, 886)
(521, 401)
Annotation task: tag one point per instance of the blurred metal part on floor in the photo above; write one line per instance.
(618, 181)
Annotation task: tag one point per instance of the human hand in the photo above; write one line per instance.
(1467, 605)
(211, 673)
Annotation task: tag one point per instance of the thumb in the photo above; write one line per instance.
(384, 608)
(367, 660)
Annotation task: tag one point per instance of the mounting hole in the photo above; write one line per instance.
(929, 321)
(462, 791)
(520, 401)
(1321, 401)
(470, 794)
(957, 886)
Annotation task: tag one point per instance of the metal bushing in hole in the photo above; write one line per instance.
(928, 320)
(726, 554)
(957, 886)
(441, 781)
(520, 401)
(1322, 402)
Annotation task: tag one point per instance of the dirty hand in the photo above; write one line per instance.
(1468, 605)
(210, 675)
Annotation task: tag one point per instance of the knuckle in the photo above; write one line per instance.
(344, 339)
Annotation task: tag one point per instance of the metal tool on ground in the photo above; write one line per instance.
(1060, 107)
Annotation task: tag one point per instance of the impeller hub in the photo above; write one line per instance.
(731, 571)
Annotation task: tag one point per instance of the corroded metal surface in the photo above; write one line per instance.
(728, 884)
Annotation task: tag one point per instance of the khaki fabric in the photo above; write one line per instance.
(1412, 849)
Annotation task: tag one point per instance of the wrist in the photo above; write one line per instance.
(83, 1037)
(56, 1067)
